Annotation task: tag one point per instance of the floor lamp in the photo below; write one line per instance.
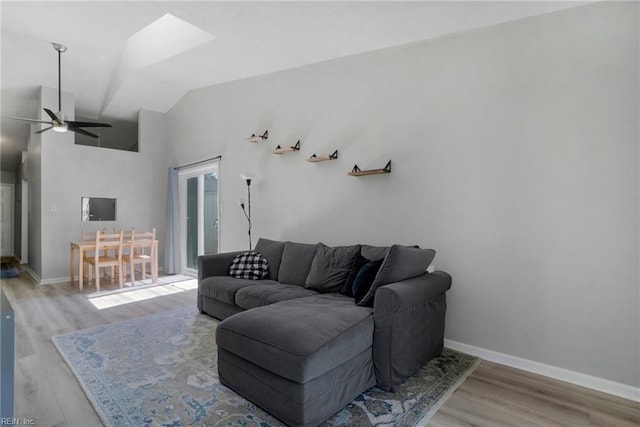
(247, 177)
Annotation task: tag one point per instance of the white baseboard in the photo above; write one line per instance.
(573, 377)
(64, 279)
(33, 275)
(40, 281)
(54, 280)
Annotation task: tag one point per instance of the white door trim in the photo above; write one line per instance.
(183, 176)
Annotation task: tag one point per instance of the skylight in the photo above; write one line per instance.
(164, 38)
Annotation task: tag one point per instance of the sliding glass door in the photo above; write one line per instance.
(199, 214)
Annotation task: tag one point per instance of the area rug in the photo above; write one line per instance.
(8, 270)
(161, 370)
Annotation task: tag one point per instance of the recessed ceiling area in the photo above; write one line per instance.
(127, 56)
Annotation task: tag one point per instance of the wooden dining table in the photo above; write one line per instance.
(82, 247)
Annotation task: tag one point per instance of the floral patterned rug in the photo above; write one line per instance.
(161, 370)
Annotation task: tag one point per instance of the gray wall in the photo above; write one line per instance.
(68, 172)
(515, 155)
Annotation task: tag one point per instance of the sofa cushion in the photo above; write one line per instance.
(364, 279)
(249, 265)
(224, 288)
(328, 330)
(271, 250)
(374, 253)
(401, 263)
(296, 262)
(258, 296)
(330, 267)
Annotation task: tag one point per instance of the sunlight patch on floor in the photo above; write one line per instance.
(135, 295)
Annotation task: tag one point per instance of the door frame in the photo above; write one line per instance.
(183, 175)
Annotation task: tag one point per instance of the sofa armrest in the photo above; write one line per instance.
(215, 264)
(409, 326)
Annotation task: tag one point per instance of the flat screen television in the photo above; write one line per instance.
(98, 209)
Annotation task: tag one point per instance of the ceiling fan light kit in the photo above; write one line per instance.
(58, 122)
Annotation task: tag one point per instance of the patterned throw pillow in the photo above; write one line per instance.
(249, 265)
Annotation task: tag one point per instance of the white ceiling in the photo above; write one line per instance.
(116, 64)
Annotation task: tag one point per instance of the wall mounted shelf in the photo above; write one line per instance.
(316, 159)
(357, 172)
(280, 150)
(258, 138)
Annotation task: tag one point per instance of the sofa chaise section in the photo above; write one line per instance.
(292, 357)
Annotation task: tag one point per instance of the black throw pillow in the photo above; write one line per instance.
(357, 262)
(364, 279)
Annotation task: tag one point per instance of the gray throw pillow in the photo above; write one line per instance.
(330, 267)
(401, 263)
(296, 262)
(271, 250)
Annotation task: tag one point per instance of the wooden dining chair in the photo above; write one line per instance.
(127, 233)
(108, 254)
(126, 240)
(89, 236)
(141, 251)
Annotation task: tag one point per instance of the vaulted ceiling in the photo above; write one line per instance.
(127, 56)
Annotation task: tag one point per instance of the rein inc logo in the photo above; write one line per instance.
(17, 422)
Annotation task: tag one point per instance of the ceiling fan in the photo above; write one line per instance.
(58, 123)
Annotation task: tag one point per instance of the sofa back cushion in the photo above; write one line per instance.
(330, 267)
(296, 263)
(374, 253)
(271, 250)
(401, 263)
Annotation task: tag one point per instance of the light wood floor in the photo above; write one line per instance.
(47, 392)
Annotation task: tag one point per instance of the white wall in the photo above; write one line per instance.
(515, 155)
(69, 172)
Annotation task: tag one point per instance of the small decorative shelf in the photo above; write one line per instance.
(280, 150)
(316, 159)
(357, 172)
(258, 138)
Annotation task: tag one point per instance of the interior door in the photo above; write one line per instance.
(6, 219)
(199, 214)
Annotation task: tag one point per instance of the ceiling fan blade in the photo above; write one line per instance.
(26, 120)
(88, 124)
(81, 131)
(44, 130)
(52, 115)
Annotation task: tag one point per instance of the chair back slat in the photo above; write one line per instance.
(109, 241)
(141, 242)
(127, 233)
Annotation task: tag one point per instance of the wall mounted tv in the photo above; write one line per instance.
(98, 209)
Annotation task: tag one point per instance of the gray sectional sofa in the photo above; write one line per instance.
(297, 344)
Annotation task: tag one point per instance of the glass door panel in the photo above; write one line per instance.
(199, 207)
(192, 223)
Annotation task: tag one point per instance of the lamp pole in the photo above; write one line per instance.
(249, 209)
(247, 212)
